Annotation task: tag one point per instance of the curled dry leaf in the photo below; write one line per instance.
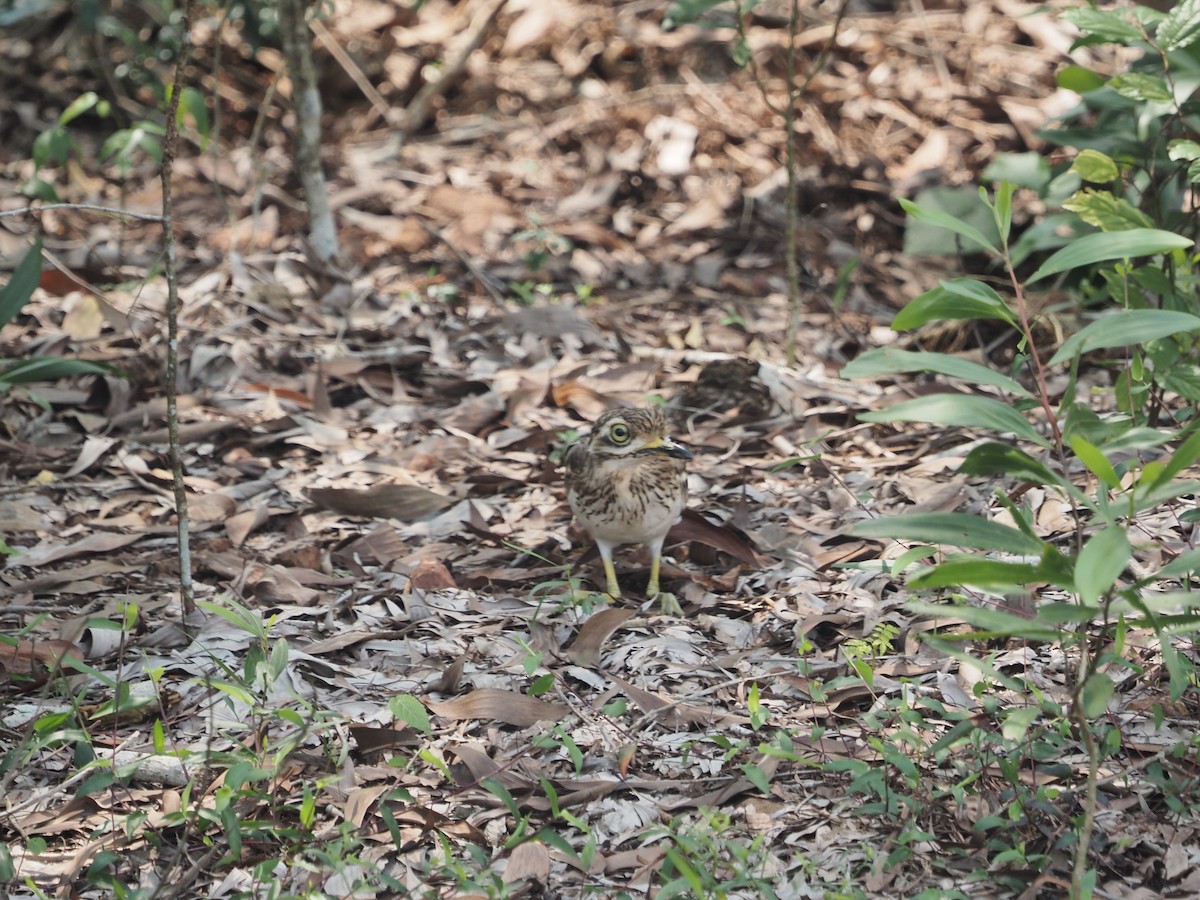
(495, 705)
(406, 502)
(584, 400)
(585, 649)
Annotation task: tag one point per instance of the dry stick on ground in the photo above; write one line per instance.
(170, 146)
(418, 109)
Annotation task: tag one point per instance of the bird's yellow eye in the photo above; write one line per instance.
(619, 434)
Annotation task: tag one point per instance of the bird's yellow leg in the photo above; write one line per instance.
(667, 602)
(610, 574)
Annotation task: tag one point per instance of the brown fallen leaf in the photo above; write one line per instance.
(584, 400)
(99, 542)
(675, 711)
(407, 502)
(431, 575)
(585, 649)
(528, 860)
(29, 664)
(493, 704)
(694, 527)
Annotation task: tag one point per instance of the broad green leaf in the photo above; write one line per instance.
(409, 710)
(1179, 675)
(989, 621)
(1002, 208)
(1080, 80)
(1187, 563)
(950, 301)
(1089, 454)
(1016, 722)
(893, 361)
(1096, 693)
(1181, 27)
(192, 103)
(77, 108)
(1181, 379)
(20, 287)
(1183, 150)
(1059, 614)
(1161, 493)
(950, 529)
(53, 146)
(1005, 459)
(1094, 166)
(1100, 564)
(1185, 454)
(977, 571)
(1125, 328)
(52, 368)
(1113, 26)
(684, 12)
(940, 219)
(1106, 212)
(1141, 86)
(1107, 246)
(1030, 170)
(1019, 515)
(962, 410)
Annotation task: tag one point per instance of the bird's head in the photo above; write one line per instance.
(629, 433)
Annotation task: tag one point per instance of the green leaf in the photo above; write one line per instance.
(954, 300)
(1125, 328)
(1002, 208)
(1181, 27)
(52, 368)
(977, 571)
(1028, 170)
(757, 777)
(411, 711)
(1187, 563)
(1141, 86)
(81, 105)
(1106, 246)
(1185, 454)
(1005, 459)
(1096, 693)
(950, 529)
(192, 103)
(962, 410)
(990, 621)
(939, 219)
(20, 287)
(1106, 212)
(1115, 27)
(893, 361)
(684, 12)
(1080, 80)
(1101, 562)
(1183, 150)
(1097, 463)
(53, 147)
(1096, 167)
(1017, 721)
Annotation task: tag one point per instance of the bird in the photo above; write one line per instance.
(626, 484)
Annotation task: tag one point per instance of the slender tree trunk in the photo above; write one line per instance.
(306, 100)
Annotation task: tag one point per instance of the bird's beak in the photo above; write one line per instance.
(669, 447)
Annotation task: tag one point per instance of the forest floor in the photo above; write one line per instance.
(399, 671)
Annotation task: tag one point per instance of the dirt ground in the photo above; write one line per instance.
(590, 212)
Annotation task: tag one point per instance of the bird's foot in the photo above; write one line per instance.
(668, 604)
